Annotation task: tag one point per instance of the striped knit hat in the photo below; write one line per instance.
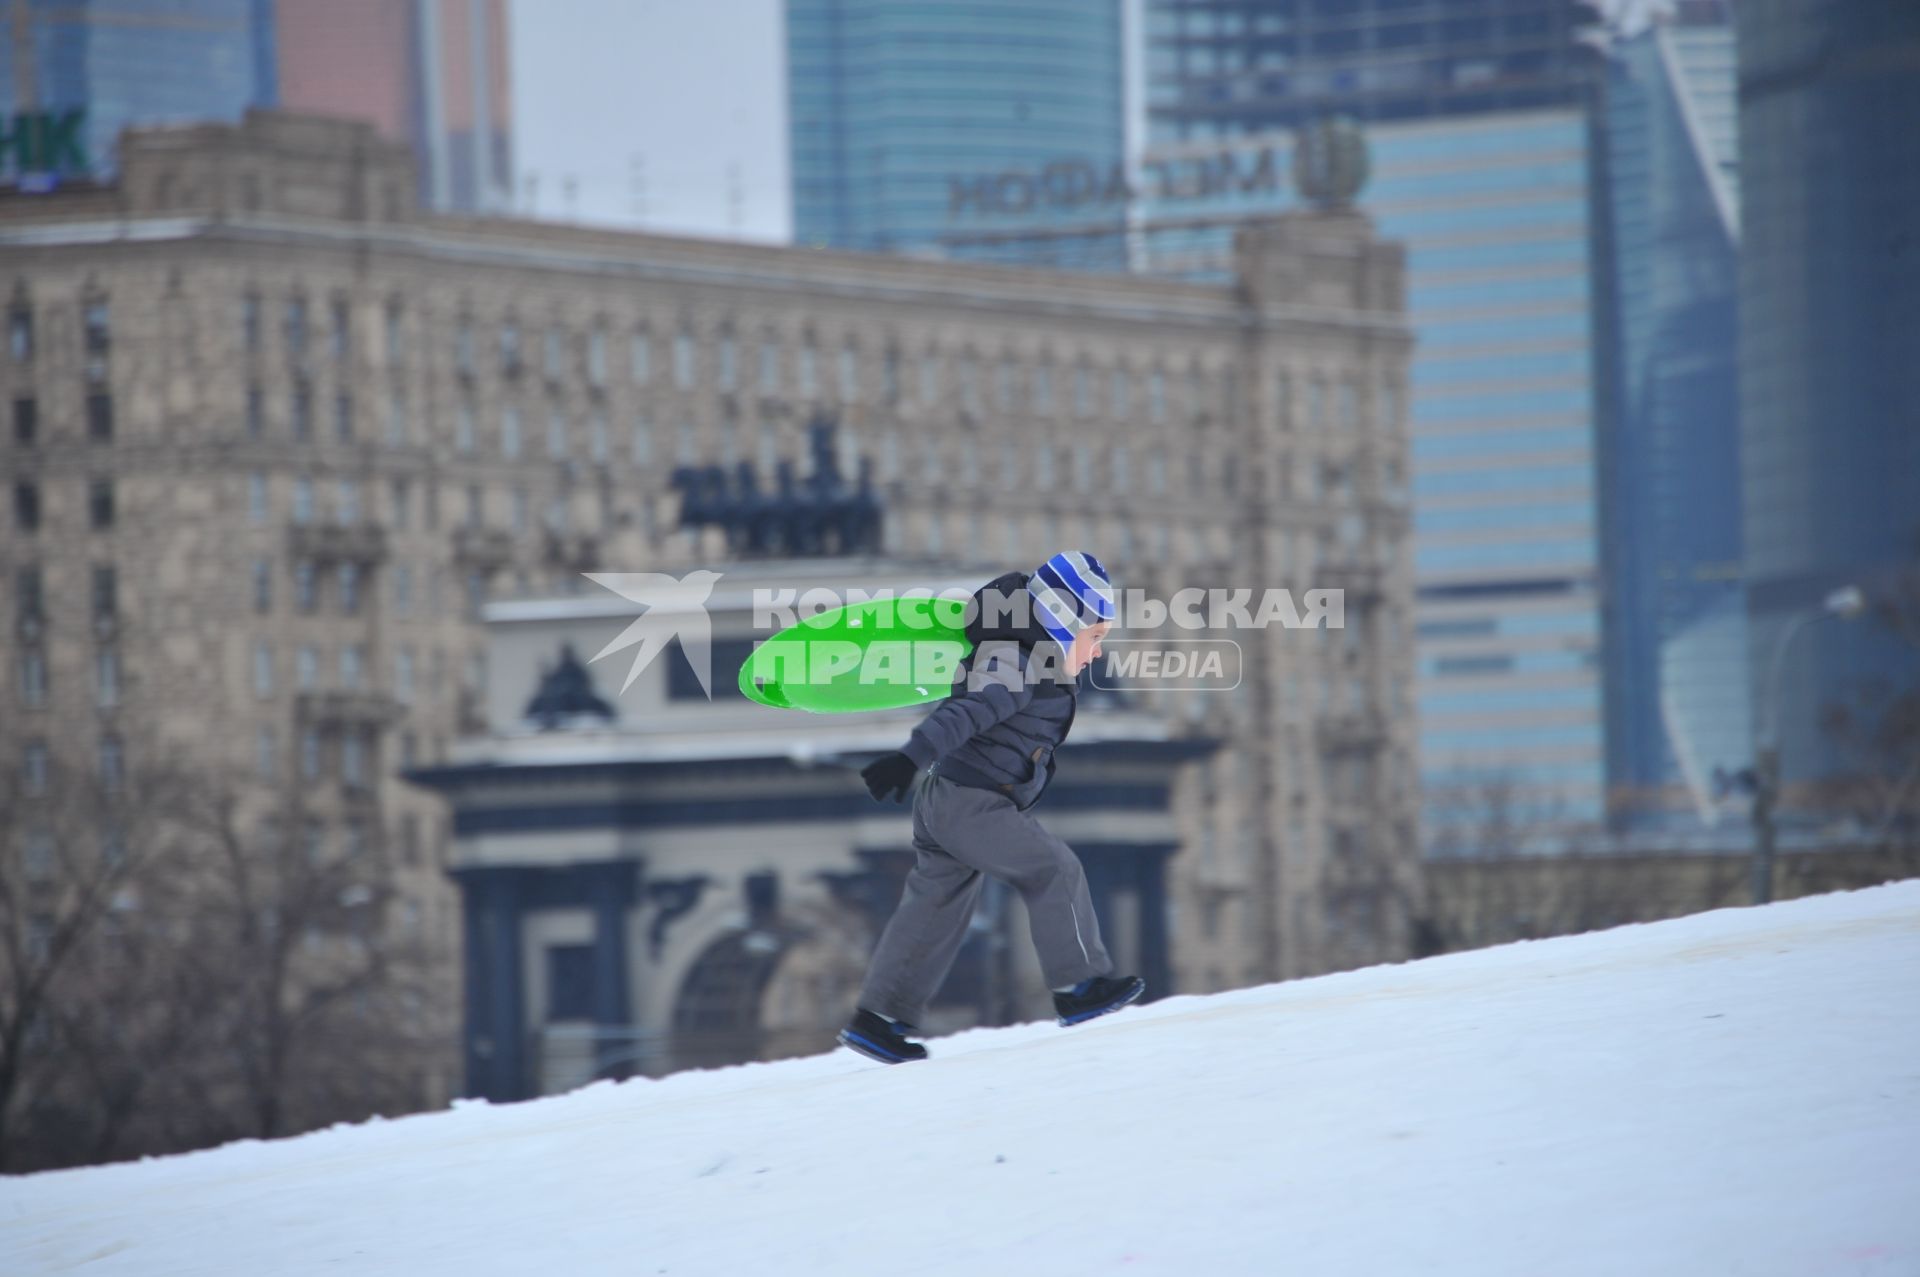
(1072, 591)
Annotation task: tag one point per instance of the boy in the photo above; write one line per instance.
(989, 754)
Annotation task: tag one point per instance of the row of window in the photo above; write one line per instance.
(27, 505)
(30, 593)
(96, 334)
(34, 683)
(1010, 385)
(26, 419)
(110, 766)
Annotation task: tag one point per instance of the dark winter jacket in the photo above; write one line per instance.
(1008, 714)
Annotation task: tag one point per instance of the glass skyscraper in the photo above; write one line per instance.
(1218, 68)
(1494, 211)
(137, 61)
(1829, 356)
(912, 120)
(1676, 668)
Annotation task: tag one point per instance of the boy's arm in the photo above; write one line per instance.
(997, 688)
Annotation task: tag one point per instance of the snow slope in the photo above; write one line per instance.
(1733, 1093)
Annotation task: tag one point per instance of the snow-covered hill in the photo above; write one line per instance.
(1737, 1092)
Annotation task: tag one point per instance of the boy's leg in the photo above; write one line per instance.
(986, 831)
(921, 940)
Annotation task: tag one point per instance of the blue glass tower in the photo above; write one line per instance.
(1829, 356)
(138, 62)
(1676, 667)
(899, 109)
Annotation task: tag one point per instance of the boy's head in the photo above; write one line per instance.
(1073, 602)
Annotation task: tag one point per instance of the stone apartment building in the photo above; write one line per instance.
(276, 435)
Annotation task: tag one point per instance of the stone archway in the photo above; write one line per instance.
(777, 990)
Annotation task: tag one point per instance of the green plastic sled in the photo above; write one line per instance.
(881, 654)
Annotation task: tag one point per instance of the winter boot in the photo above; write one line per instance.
(879, 1038)
(1097, 996)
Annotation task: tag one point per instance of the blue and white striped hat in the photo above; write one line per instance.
(1072, 591)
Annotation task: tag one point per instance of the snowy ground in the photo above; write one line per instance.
(1734, 1093)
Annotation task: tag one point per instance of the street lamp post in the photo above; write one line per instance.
(1845, 603)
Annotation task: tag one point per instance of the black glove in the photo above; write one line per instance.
(889, 774)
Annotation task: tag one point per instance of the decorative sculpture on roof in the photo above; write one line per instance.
(566, 695)
(817, 516)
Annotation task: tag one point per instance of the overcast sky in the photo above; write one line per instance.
(695, 89)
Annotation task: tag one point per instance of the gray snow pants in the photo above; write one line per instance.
(960, 833)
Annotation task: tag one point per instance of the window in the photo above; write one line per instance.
(1043, 466)
(29, 598)
(306, 668)
(510, 348)
(401, 494)
(302, 412)
(969, 377)
(33, 767)
(476, 505)
(106, 670)
(1157, 395)
(310, 754)
(33, 676)
(262, 669)
(350, 589)
(929, 379)
(1122, 469)
(256, 413)
(1082, 391)
(556, 357)
(1083, 467)
(1043, 390)
(257, 497)
(642, 358)
(522, 510)
(396, 419)
(890, 376)
(684, 364)
(849, 375)
(337, 336)
(351, 664)
(100, 504)
(510, 432)
(26, 507)
(1122, 388)
(403, 676)
(106, 592)
(726, 370)
(396, 336)
(402, 590)
(112, 764)
(556, 434)
(769, 366)
(463, 439)
(306, 592)
(349, 501)
(297, 328)
(463, 347)
(343, 418)
(26, 421)
(263, 752)
(597, 358)
(1005, 386)
(20, 332)
(597, 435)
(809, 371)
(250, 323)
(96, 337)
(353, 773)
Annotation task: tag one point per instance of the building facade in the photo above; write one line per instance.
(1229, 68)
(1676, 672)
(308, 432)
(905, 116)
(1829, 389)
